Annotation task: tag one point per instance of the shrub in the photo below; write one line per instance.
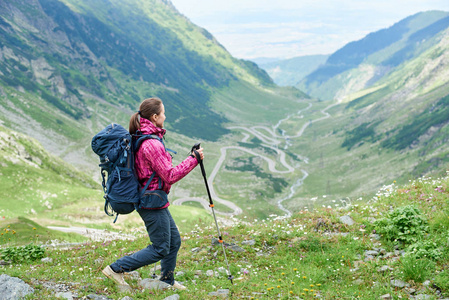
(424, 248)
(405, 224)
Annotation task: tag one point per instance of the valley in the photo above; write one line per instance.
(271, 138)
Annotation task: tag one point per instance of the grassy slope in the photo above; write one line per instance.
(309, 255)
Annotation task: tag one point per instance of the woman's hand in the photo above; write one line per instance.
(200, 152)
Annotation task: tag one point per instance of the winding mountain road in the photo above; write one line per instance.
(272, 140)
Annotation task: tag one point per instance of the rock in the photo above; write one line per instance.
(99, 261)
(235, 248)
(347, 220)
(375, 236)
(127, 298)
(97, 297)
(426, 283)
(222, 270)
(371, 219)
(132, 275)
(220, 293)
(423, 296)
(358, 282)
(172, 297)
(198, 272)
(398, 283)
(209, 273)
(196, 249)
(180, 273)
(12, 288)
(153, 284)
(232, 246)
(65, 295)
(124, 288)
(371, 253)
(47, 260)
(386, 296)
(384, 269)
(249, 242)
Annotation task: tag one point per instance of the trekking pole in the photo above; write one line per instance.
(154, 276)
(211, 205)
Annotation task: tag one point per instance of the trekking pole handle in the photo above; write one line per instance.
(197, 155)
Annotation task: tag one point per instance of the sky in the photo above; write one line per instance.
(282, 29)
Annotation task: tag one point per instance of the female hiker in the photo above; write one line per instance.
(153, 162)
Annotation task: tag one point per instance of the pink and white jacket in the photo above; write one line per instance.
(152, 157)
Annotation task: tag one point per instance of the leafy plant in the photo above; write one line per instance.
(424, 248)
(405, 224)
(25, 253)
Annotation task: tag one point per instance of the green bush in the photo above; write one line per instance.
(424, 248)
(404, 224)
(21, 254)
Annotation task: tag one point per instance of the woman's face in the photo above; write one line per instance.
(158, 120)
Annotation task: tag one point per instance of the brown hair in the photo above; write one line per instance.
(147, 108)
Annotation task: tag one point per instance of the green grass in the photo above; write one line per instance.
(309, 255)
(22, 231)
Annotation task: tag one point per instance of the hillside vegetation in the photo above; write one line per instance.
(395, 244)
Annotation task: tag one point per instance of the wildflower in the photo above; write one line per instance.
(265, 284)
(291, 292)
(311, 285)
(319, 284)
(293, 283)
(295, 269)
(304, 277)
(279, 286)
(34, 228)
(279, 279)
(306, 290)
(283, 274)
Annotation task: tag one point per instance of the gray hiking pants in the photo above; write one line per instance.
(165, 239)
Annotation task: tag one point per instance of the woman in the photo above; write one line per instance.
(153, 159)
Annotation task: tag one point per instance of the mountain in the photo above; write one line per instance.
(69, 67)
(395, 130)
(291, 71)
(360, 64)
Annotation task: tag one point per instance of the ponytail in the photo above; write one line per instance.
(147, 108)
(134, 123)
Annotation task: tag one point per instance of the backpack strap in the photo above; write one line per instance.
(148, 184)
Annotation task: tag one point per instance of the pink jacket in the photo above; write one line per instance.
(152, 156)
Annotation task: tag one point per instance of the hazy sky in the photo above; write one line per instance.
(287, 28)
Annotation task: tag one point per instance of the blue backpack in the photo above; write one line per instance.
(116, 147)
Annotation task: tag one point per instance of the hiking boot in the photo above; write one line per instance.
(117, 277)
(178, 286)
